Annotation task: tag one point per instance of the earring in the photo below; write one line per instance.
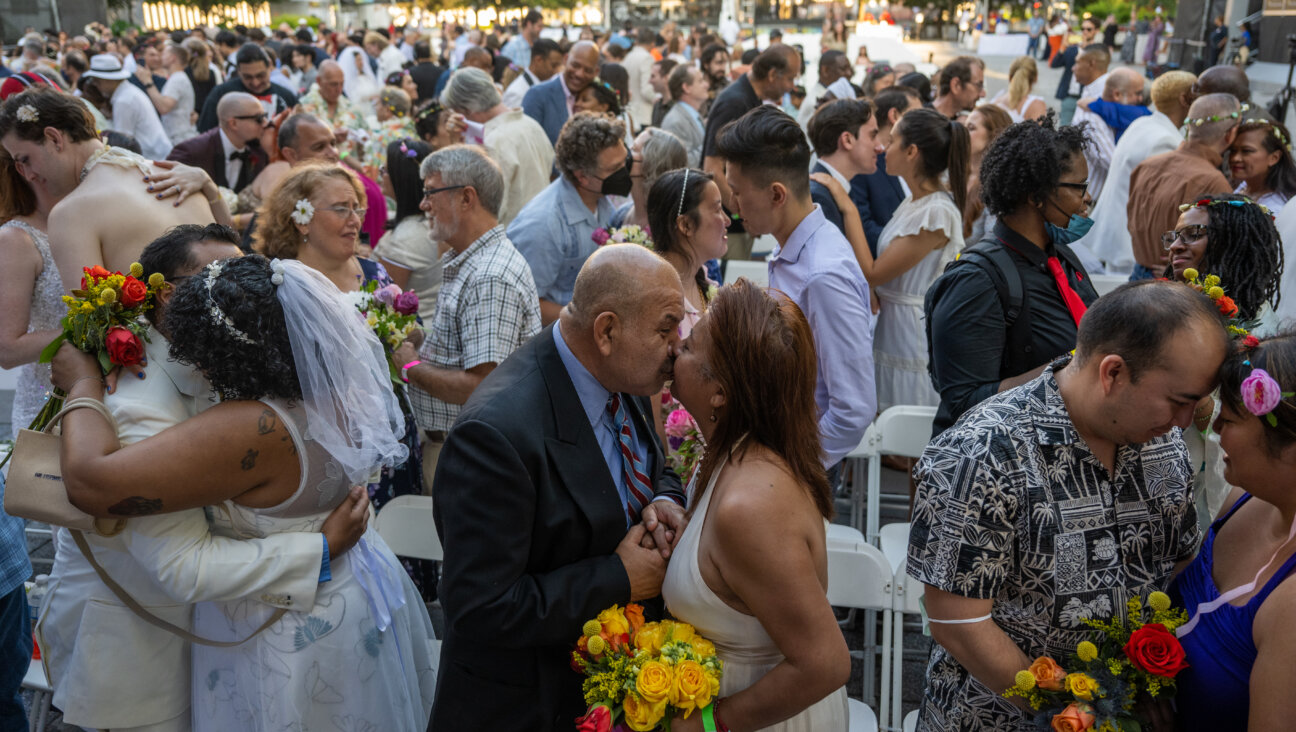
(713, 417)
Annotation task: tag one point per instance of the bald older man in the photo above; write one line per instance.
(231, 152)
(550, 484)
(553, 102)
(326, 100)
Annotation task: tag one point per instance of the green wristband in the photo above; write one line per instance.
(708, 718)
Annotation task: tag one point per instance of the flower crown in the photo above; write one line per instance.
(1277, 133)
(1216, 117)
(609, 87)
(1235, 202)
(1210, 287)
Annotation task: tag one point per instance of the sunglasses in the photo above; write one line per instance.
(260, 118)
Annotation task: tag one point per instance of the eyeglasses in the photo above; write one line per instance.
(429, 192)
(1187, 233)
(1082, 187)
(260, 118)
(345, 211)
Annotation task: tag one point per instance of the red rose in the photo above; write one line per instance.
(1226, 306)
(124, 347)
(1250, 342)
(1156, 650)
(597, 719)
(133, 292)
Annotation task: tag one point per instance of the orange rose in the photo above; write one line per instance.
(1048, 675)
(634, 616)
(1226, 306)
(1075, 718)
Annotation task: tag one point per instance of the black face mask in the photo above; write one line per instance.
(619, 183)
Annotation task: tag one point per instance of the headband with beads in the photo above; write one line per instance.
(609, 87)
(1282, 139)
(1235, 202)
(1216, 117)
(218, 316)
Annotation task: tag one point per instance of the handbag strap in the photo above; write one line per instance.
(149, 617)
(81, 403)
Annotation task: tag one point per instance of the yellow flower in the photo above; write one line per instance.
(156, 279)
(1082, 686)
(1159, 601)
(108, 296)
(591, 627)
(136, 270)
(116, 280)
(682, 632)
(713, 681)
(1025, 680)
(654, 681)
(1087, 651)
(650, 638)
(1211, 280)
(1190, 274)
(613, 621)
(702, 647)
(640, 715)
(690, 689)
(1215, 292)
(596, 645)
(372, 320)
(87, 307)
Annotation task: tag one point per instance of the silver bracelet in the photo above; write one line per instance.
(84, 378)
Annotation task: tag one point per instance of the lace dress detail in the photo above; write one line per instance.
(360, 659)
(116, 156)
(47, 310)
(741, 641)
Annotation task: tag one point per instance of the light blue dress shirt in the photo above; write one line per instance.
(594, 400)
(553, 233)
(818, 270)
(518, 51)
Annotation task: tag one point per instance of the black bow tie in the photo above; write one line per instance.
(245, 155)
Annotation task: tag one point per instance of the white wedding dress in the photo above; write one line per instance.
(360, 660)
(740, 640)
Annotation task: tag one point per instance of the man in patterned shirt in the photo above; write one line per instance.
(1059, 500)
(487, 306)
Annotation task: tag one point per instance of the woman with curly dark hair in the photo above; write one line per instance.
(1012, 302)
(306, 415)
(1233, 238)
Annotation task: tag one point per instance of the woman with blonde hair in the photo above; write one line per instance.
(200, 70)
(1017, 99)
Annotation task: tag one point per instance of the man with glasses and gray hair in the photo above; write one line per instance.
(487, 307)
(230, 153)
(514, 141)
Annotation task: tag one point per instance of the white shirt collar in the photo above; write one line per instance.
(227, 145)
(845, 182)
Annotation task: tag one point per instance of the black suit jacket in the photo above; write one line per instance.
(530, 519)
(425, 76)
(877, 196)
(205, 151)
(820, 194)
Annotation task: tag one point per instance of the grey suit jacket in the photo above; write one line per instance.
(688, 129)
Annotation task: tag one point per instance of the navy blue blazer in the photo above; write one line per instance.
(820, 194)
(877, 196)
(546, 103)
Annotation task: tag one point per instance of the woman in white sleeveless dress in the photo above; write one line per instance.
(308, 413)
(750, 571)
(924, 234)
(1017, 99)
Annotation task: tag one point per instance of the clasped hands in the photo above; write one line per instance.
(648, 545)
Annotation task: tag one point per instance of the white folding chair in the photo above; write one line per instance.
(42, 694)
(860, 578)
(757, 272)
(405, 523)
(901, 430)
(1104, 283)
(911, 721)
(862, 718)
(907, 594)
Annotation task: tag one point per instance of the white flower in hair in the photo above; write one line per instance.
(277, 267)
(303, 212)
(27, 113)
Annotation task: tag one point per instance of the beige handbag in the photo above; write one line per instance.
(34, 487)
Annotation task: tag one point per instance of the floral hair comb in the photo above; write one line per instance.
(1261, 394)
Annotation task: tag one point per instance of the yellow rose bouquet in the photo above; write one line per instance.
(1106, 676)
(639, 675)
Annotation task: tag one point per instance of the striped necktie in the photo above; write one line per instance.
(636, 480)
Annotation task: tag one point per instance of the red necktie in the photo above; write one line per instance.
(1069, 296)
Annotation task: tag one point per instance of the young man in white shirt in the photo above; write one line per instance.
(546, 58)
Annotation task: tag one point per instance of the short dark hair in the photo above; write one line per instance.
(680, 77)
(544, 47)
(770, 146)
(961, 69)
(918, 82)
(533, 16)
(749, 56)
(777, 57)
(226, 38)
(256, 35)
(288, 130)
(896, 97)
(422, 49)
(830, 57)
(304, 35)
(646, 36)
(124, 140)
(172, 253)
(1136, 321)
(666, 66)
(710, 52)
(250, 53)
(1026, 161)
(834, 118)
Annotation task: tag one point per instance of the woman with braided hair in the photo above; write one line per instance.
(1260, 163)
(1233, 238)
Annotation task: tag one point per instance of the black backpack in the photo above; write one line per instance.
(992, 258)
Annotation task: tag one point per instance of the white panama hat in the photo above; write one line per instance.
(106, 66)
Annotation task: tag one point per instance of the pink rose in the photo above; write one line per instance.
(406, 303)
(1260, 393)
(600, 236)
(387, 295)
(679, 422)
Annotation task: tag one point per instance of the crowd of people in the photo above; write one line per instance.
(563, 210)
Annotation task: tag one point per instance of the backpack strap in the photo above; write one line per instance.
(993, 259)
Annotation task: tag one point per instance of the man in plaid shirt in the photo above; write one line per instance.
(487, 307)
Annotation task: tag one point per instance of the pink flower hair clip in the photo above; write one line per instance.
(1261, 394)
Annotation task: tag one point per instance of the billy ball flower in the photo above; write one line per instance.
(596, 645)
(156, 280)
(1159, 601)
(1088, 651)
(1190, 274)
(1025, 680)
(592, 627)
(136, 270)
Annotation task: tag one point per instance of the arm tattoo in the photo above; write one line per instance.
(266, 422)
(136, 506)
(249, 460)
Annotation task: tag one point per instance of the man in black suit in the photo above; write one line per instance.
(229, 153)
(536, 500)
(252, 75)
(425, 72)
(844, 134)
